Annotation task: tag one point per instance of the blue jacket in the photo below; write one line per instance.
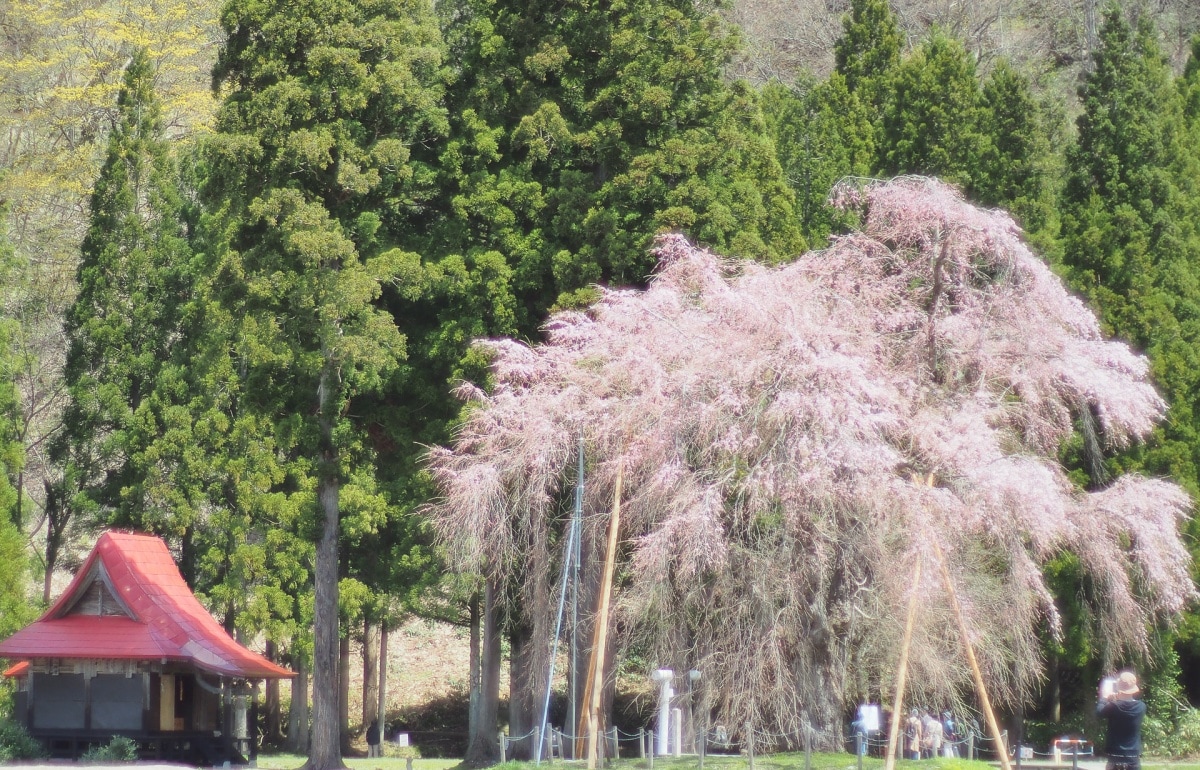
(1124, 727)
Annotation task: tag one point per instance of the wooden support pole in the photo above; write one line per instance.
(984, 702)
(597, 678)
(889, 762)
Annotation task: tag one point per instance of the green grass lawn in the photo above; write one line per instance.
(292, 761)
(787, 761)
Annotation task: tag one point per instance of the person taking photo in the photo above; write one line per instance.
(1123, 709)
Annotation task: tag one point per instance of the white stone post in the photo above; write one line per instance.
(663, 678)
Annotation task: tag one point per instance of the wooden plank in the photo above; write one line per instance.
(597, 678)
(889, 761)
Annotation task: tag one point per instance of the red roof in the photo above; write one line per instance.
(17, 669)
(166, 621)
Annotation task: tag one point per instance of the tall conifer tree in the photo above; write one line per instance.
(822, 133)
(1011, 170)
(869, 48)
(317, 172)
(931, 113)
(584, 129)
(1130, 241)
(125, 319)
(1128, 228)
(15, 608)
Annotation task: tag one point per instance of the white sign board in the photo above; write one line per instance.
(868, 714)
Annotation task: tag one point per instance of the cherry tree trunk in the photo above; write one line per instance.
(822, 713)
(474, 662)
(483, 748)
(521, 717)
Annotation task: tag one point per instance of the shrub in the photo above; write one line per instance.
(1173, 738)
(119, 749)
(16, 743)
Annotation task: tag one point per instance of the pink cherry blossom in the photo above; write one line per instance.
(776, 427)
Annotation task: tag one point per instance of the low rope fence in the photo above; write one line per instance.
(615, 743)
(752, 742)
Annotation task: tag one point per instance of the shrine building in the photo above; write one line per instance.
(128, 650)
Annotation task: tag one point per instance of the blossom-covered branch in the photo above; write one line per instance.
(770, 421)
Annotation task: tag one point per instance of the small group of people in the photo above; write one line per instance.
(926, 736)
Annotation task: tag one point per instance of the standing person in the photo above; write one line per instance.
(1124, 711)
(858, 729)
(932, 735)
(950, 734)
(912, 735)
(373, 739)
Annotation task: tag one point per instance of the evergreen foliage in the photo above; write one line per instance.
(318, 176)
(125, 320)
(582, 130)
(12, 450)
(931, 116)
(17, 744)
(118, 749)
(869, 48)
(1011, 170)
(15, 608)
(1129, 240)
(822, 132)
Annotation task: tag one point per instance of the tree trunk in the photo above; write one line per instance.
(187, 557)
(520, 691)
(370, 710)
(272, 718)
(344, 693)
(383, 660)
(325, 751)
(483, 748)
(1091, 31)
(476, 682)
(298, 712)
(56, 524)
(1055, 690)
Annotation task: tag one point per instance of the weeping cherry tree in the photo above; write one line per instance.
(794, 441)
